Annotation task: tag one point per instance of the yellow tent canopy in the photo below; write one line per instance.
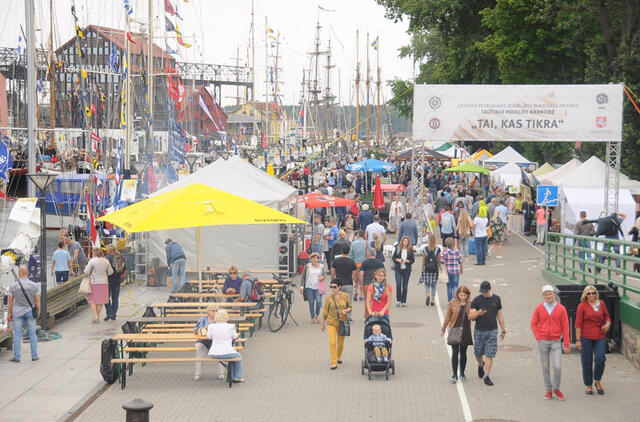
(194, 205)
(544, 169)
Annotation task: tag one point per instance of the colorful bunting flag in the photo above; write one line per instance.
(168, 25)
(127, 7)
(169, 8)
(374, 44)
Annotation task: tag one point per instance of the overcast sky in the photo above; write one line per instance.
(217, 28)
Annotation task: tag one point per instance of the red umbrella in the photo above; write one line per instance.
(319, 200)
(378, 199)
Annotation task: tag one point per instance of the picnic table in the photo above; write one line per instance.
(156, 338)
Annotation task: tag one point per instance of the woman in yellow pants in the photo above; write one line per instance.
(336, 308)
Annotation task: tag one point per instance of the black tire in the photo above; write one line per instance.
(277, 316)
(362, 367)
(369, 374)
(386, 374)
(393, 367)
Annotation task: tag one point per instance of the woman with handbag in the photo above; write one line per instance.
(203, 346)
(98, 271)
(335, 317)
(459, 337)
(312, 276)
(403, 259)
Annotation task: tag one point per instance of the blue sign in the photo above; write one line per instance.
(547, 196)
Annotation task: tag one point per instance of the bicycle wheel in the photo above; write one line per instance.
(277, 316)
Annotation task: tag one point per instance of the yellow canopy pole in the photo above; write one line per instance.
(198, 260)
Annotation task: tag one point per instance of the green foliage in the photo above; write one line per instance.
(527, 42)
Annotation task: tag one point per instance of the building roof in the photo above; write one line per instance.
(117, 36)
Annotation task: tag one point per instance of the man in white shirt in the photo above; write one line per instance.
(396, 211)
(375, 227)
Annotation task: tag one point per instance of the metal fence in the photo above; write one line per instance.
(597, 260)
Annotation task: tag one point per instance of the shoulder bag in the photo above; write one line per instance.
(344, 328)
(455, 334)
(34, 310)
(85, 285)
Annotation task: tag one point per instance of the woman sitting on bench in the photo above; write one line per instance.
(223, 334)
(203, 346)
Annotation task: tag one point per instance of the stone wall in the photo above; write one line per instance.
(631, 344)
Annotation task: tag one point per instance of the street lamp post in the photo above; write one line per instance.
(42, 182)
(191, 160)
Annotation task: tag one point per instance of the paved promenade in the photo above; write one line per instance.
(68, 371)
(288, 376)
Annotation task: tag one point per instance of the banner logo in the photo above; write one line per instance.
(601, 121)
(435, 103)
(602, 98)
(434, 123)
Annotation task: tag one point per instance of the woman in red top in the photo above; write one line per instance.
(379, 296)
(592, 324)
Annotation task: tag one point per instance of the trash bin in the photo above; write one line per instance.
(569, 295)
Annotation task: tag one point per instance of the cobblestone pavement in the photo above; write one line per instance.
(69, 368)
(288, 376)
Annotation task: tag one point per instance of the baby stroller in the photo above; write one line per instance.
(370, 363)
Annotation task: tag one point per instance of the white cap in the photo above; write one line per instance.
(548, 288)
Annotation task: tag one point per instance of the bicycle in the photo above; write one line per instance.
(280, 309)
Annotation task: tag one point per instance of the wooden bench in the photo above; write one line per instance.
(64, 297)
(122, 365)
(200, 306)
(125, 339)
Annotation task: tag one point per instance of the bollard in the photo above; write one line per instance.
(137, 410)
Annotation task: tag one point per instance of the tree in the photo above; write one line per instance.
(528, 42)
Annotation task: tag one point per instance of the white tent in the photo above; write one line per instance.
(509, 155)
(592, 174)
(507, 175)
(582, 188)
(248, 247)
(455, 152)
(573, 200)
(549, 178)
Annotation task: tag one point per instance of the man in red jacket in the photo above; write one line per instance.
(550, 324)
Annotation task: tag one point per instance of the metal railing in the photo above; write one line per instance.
(589, 259)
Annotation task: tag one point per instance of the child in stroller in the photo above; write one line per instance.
(377, 347)
(379, 342)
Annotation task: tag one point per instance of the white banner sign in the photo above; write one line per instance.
(560, 113)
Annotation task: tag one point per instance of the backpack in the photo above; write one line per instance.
(257, 291)
(108, 370)
(431, 263)
(608, 226)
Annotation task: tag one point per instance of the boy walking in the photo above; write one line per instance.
(550, 326)
(452, 260)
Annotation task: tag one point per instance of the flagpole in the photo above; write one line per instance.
(150, 79)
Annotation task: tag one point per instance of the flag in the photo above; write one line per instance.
(6, 163)
(169, 8)
(19, 46)
(127, 7)
(73, 11)
(374, 44)
(177, 14)
(97, 183)
(264, 141)
(95, 142)
(130, 38)
(168, 25)
(269, 30)
(179, 38)
(169, 49)
(204, 108)
(119, 158)
(324, 9)
(151, 180)
(113, 58)
(91, 223)
(171, 174)
(301, 117)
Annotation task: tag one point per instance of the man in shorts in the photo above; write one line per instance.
(486, 308)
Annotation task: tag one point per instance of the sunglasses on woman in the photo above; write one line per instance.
(334, 287)
(591, 294)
